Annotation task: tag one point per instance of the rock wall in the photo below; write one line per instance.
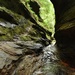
(26, 28)
(65, 29)
(27, 45)
(22, 20)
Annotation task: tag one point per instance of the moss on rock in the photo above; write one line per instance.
(43, 13)
(27, 19)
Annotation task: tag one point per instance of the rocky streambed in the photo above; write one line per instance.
(23, 58)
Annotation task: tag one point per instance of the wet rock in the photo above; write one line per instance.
(20, 59)
(7, 24)
(50, 60)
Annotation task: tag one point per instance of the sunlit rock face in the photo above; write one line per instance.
(27, 19)
(65, 29)
(43, 13)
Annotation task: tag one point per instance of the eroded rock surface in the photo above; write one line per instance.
(27, 37)
(26, 28)
(21, 19)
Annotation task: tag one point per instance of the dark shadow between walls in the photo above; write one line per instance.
(65, 30)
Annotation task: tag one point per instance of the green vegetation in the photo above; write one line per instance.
(45, 16)
(40, 11)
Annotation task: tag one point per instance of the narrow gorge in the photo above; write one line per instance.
(37, 37)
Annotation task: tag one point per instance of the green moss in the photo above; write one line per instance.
(25, 38)
(45, 16)
(6, 33)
